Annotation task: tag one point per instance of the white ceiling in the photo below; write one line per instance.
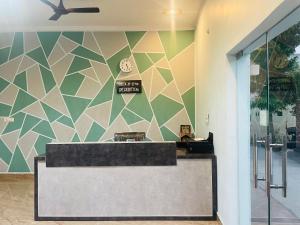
(32, 15)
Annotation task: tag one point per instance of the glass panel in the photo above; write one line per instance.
(259, 127)
(284, 119)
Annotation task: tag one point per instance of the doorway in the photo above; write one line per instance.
(275, 125)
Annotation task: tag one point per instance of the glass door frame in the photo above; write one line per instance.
(283, 25)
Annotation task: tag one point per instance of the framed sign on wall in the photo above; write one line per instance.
(128, 86)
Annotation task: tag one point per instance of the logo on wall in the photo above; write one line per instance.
(128, 86)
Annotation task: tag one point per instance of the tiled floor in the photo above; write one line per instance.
(16, 206)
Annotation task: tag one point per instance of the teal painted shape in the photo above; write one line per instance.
(168, 135)
(51, 113)
(48, 40)
(3, 84)
(18, 162)
(133, 37)
(4, 109)
(71, 84)
(114, 61)
(164, 108)
(166, 74)
(45, 129)
(4, 53)
(75, 138)
(189, 103)
(88, 54)
(130, 117)
(74, 36)
(139, 104)
(79, 64)
(155, 57)
(17, 48)
(5, 154)
(174, 43)
(48, 79)
(29, 123)
(142, 61)
(23, 100)
(95, 133)
(105, 94)
(21, 81)
(66, 121)
(39, 56)
(40, 144)
(117, 106)
(17, 124)
(76, 106)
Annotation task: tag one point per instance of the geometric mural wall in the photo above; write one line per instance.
(60, 87)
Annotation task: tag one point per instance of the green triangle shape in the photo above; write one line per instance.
(4, 109)
(23, 100)
(5, 154)
(21, 81)
(168, 135)
(76, 106)
(175, 43)
(17, 46)
(48, 40)
(164, 108)
(51, 113)
(18, 162)
(17, 124)
(45, 129)
(48, 79)
(39, 56)
(75, 138)
(29, 123)
(40, 144)
(105, 94)
(166, 74)
(3, 84)
(133, 37)
(78, 64)
(130, 117)
(155, 56)
(117, 106)
(139, 104)
(66, 121)
(71, 84)
(95, 133)
(86, 53)
(74, 36)
(189, 103)
(142, 61)
(114, 61)
(4, 53)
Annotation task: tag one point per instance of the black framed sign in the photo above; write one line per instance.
(128, 86)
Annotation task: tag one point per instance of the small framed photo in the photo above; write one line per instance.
(185, 130)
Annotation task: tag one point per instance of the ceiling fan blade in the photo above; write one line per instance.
(49, 4)
(84, 10)
(55, 16)
(61, 5)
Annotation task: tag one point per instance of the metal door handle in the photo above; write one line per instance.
(255, 159)
(268, 182)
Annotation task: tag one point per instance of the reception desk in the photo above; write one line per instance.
(137, 184)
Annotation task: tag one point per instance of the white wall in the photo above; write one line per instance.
(222, 24)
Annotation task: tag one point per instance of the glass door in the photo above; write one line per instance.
(259, 131)
(275, 128)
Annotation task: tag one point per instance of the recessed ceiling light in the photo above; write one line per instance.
(172, 12)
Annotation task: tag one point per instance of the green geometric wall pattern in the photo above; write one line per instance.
(60, 87)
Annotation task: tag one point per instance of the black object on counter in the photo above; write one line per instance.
(192, 146)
